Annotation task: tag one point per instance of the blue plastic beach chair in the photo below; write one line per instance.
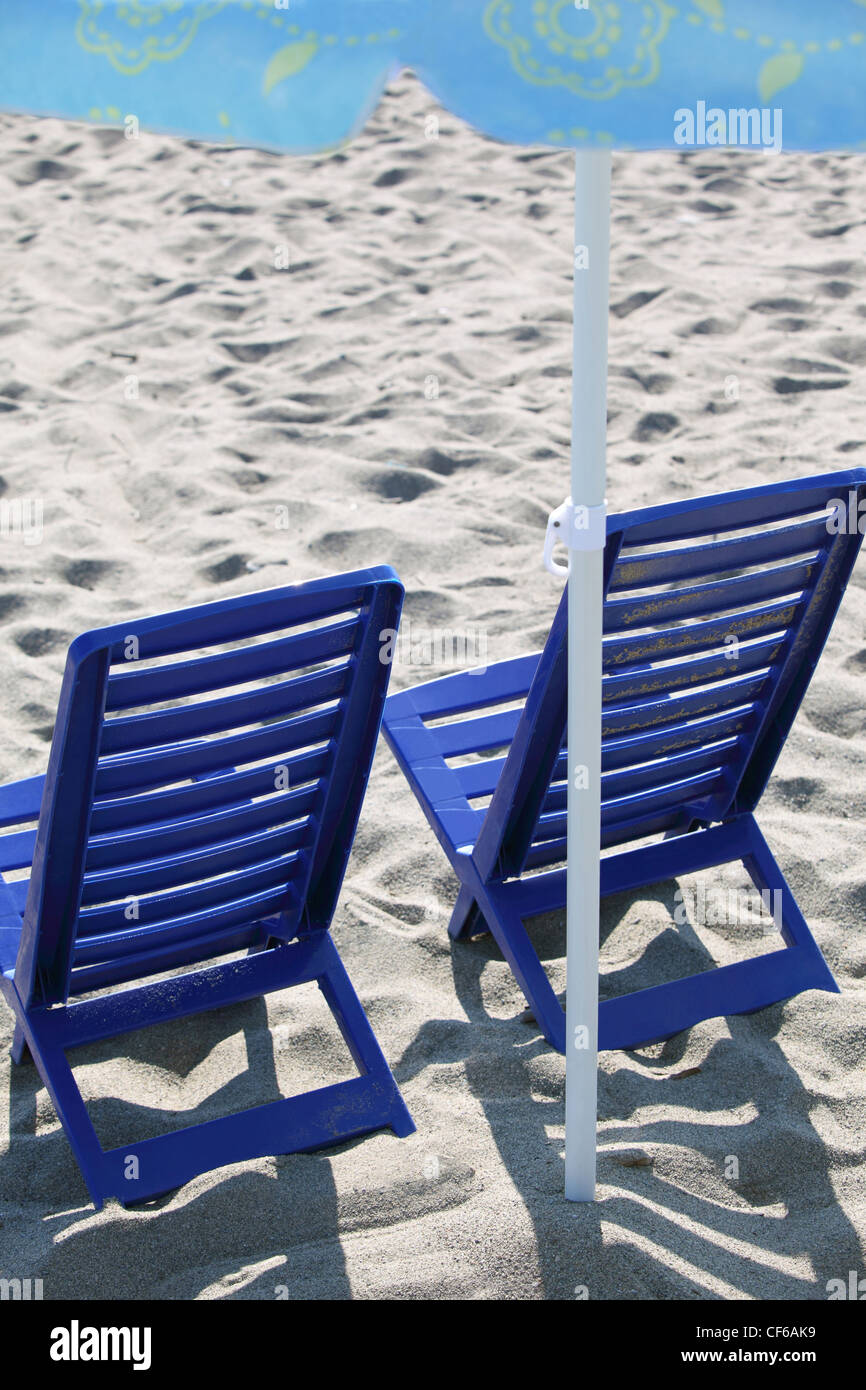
(716, 611)
(197, 803)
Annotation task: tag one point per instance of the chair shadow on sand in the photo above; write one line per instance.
(768, 1234)
(255, 1236)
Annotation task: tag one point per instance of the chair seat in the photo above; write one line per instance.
(10, 926)
(21, 801)
(468, 724)
(429, 746)
(16, 892)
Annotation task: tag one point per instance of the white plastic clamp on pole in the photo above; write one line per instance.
(578, 528)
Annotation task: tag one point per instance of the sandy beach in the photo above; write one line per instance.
(224, 370)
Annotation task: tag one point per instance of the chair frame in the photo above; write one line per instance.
(286, 948)
(489, 850)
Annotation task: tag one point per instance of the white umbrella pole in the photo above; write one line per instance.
(589, 430)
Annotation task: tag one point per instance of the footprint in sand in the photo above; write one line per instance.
(795, 385)
(799, 791)
(782, 304)
(846, 348)
(232, 567)
(634, 301)
(38, 641)
(255, 352)
(41, 721)
(837, 289)
(37, 169)
(434, 461)
(10, 603)
(400, 484)
(391, 177)
(87, 574)
(654, 425)
(711, 327)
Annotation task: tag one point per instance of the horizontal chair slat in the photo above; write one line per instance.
(658, 743)
(557, 795)
(703, 600)
(16, 850)
(468, 690)
(154, 875)
(150, 685)
(691, 671)
(160, 768)
(475, 735)
(550, 852)
(169, 634)
(552, 824)
(690, 704)
(774, 616)
(141, 846)
(646, 824)
(479, 779)
(136, 965)
(206, 925)
(680, 792)
(142, 731)
(675, 766)
(223, 790)
(715, 516)
(546, 852)
(714, 557)
(663, 771)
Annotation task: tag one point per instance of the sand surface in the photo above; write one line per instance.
(402, 389)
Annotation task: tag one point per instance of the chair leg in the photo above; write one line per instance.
(513, 940)
(466, 919)
(765, 873)
(60, 1083)
(340, 996)
(19, 1048)
(649, 1015)
(329, 1115)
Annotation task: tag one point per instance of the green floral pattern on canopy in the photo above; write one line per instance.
(554, 46)
(134, 35)
(304, 74)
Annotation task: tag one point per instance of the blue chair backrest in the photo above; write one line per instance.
(206, 775)
(716, 611)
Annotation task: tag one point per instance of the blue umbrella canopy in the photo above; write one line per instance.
(303, 75)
